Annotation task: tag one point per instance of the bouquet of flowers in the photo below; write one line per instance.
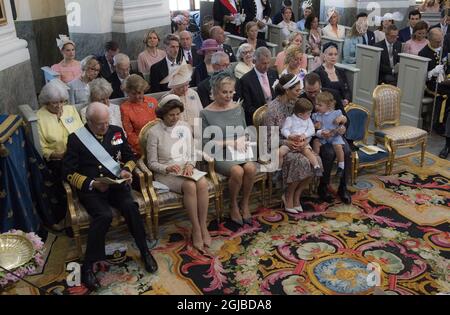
(7, 279)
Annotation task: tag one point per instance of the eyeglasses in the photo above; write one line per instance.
(248, 52)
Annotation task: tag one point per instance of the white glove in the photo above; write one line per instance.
(439, 69)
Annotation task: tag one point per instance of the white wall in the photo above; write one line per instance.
(95, 16)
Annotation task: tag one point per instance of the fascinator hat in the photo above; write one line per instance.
(307, 4)
(396, 16)
(330, 13)
(62, 41)
(179, 77)
(166, 99)
(329, 45)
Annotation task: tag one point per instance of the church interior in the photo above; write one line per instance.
(224, 147)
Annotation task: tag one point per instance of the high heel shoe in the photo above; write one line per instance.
(239, 221)
(289, 210)
(246, 220)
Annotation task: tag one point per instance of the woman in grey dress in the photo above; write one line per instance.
(79, 88)
(297, 170)
(219, 115)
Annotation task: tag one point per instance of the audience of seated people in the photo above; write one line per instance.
(227, 15)
(258, 11)
(287, 24)
(224, 113)
(389, 56)
(100, 92)
(418, 40)
(137, 110)
(205, 29)
(295, 39)
(220, 61)
(106, 59)
(277, 18)
(168, 164)
(179, 85)
(79, 88)
(256, 87)
(333, 29)
(332, 77)
(69, 68)
(152, 54)
(251, 31)
(160, 70)
(368, 37)
(443, 24)
(355, 37)
(406, 33)
(245, 60)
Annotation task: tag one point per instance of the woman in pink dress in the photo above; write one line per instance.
(295, 38)
(152, 54)
(314, 46)
(418, 40)
(69, 69)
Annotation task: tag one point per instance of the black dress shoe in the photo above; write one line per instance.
(150, 263)
(444, 153)
(89, 279)
(324, 194)
(345, 195)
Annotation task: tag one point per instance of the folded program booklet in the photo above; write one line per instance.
(371, 149)
(110, 181)
(196, 176)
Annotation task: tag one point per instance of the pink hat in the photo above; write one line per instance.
(209, 44)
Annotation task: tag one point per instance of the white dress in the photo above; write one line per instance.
(288, 28)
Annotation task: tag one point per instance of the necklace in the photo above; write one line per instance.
(154, 55)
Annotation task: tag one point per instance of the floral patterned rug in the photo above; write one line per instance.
(394, 238)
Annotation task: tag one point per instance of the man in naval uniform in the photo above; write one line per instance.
(437, 70)
(100, 150)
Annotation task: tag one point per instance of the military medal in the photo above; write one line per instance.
(117, 139)
(69, 120)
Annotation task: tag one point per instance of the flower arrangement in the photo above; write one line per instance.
(7, 279)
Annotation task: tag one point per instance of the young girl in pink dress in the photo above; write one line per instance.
(69, 68)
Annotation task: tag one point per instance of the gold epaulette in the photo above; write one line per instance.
(77, 180)
(130, 165)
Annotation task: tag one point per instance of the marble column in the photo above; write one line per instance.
(16, 76)
(348, 9)
(40, 23)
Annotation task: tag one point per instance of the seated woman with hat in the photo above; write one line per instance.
(173, 168)
(179, 85)
(333, 29)
(137, 110)
(69, 68)
(205, 69)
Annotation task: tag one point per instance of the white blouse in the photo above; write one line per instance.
(328, 32)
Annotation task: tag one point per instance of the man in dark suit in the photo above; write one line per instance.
(443, 25)
(224, 12)
(389, 56)
(160, 70)
(187, 52)
(220, 62)
(406, 33)
(369, 36)
(122, 71)
(256, 86)
(279, 16)
(100, 150)
(218, 34)
(313, 87)
(107, 59)
(256, 11)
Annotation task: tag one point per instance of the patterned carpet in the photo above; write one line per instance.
(394, 238)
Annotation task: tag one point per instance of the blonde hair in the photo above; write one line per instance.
(291, 52)
(326, 98)
(135, 83)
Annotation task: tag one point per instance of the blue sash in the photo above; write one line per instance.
(92, 144)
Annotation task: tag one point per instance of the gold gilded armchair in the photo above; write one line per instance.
(386, 108)
(166, 201)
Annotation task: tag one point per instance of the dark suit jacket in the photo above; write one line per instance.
(229, 51)
(341, 86)
(158, 72)
(196, 58)
(404, 34)
(105, 71)
(116, 84)
(279, 17)
(219, 11)
(371, 38)
(439, 25)
(200, 74)
(249, 7)
(427, 52)
(252, 92)
(385, 65)
(204, 92)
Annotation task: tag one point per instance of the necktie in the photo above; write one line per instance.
(266, 87)
(391, 55)
(190, 58)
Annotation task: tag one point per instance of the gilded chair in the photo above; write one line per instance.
(170, 200)
(357, 132)
(386, 108)
(78, 218)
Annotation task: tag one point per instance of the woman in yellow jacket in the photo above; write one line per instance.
(56, 122)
